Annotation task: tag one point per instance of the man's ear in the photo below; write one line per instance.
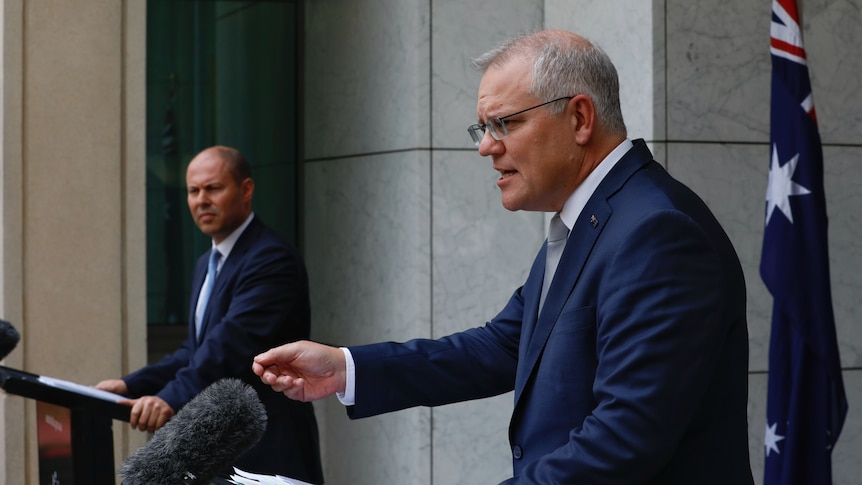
(247, 189)
(583, 113)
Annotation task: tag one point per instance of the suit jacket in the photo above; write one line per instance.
(634, 372)
(260, 300)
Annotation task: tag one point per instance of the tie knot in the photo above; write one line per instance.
(557, 229)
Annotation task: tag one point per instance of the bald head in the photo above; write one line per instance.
(219, 189)
(236, 163)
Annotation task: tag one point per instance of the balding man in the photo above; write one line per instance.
(248, 291)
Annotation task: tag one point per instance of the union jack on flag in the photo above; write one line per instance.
(806, 402)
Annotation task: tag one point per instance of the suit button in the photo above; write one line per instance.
(517, 452)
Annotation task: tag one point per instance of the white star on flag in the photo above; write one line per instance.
(771, 440)
(781, 186)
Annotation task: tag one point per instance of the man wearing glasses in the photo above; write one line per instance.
(627, 346)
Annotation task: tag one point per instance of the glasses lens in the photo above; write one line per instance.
(476, 133)
(498, 128)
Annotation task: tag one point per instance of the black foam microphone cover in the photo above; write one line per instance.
(204, 438)
(9, 338)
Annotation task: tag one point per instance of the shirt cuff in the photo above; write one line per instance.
(348, 397)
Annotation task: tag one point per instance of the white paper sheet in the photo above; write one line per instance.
(82, 389)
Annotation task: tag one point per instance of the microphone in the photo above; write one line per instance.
(8, 338)
(204, 438)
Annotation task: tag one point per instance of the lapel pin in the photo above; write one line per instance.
(594, 221)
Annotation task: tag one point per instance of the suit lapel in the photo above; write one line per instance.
(585, 233)
(531, 292)
(578, 247)
(225, 274)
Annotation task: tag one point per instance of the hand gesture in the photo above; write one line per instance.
(303, 371)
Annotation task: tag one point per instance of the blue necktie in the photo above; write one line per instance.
(558, 233)
(206, 291)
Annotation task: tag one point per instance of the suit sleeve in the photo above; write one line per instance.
(150, 379)
(265, 306)
(659, 334)
(392, 376)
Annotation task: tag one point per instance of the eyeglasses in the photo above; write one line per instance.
(498, 127)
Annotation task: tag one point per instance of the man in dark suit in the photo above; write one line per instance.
(630, 366)
(259, 296)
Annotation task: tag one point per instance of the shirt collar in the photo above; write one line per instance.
(578, 200)
(227, 244)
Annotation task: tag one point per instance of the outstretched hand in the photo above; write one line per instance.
(303, 370)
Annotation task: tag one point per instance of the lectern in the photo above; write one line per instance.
(76, 445)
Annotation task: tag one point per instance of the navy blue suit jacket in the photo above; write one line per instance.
(635, 371)
(260, 300)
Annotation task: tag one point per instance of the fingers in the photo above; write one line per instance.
(269, 375)
(280, 383)
(266, 372)
(257, 368)
(149, 413)
(261, 361)
(303, 370)
(290, 387)
(117, 386)
(272, 356)
(274, 367)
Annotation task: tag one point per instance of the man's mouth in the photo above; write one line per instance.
(507, 173)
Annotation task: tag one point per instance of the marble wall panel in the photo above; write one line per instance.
(390, 448)
(843, 176)
(846, 468)
(366, 87)
(367, 248)
(718, 70)
(632, 34)
(471, 442)
(478, 258)
(832, 32)
(481, 254)
(481, 251)
(460, 32)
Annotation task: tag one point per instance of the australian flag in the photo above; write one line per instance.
(806, 403)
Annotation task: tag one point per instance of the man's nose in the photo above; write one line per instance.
(490, 145)
(199, 198)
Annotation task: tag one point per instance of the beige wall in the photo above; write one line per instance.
(73, 201)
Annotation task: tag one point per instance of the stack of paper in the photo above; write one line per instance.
(246, 478)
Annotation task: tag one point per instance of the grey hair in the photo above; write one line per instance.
(562, 67)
